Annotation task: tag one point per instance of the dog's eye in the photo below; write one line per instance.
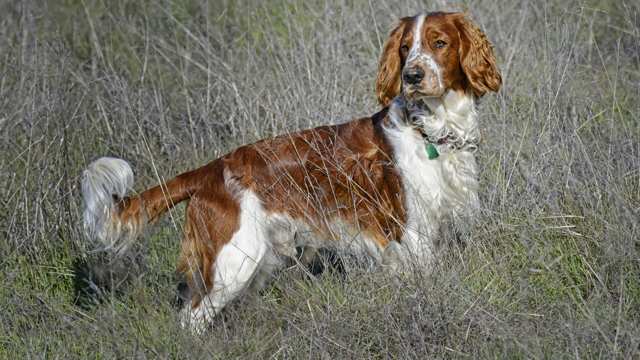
(404, 48)
(439, 44)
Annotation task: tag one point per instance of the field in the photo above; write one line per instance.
(552, 269)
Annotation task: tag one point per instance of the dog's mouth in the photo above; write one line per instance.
(416, 93)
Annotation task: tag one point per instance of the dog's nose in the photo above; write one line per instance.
(413, 75)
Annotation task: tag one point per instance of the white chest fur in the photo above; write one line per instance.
(435, 189)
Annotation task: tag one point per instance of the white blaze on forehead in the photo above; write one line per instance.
(416, 53)
(417, 36)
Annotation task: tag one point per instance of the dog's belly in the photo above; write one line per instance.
(281, 236)
(286, 234)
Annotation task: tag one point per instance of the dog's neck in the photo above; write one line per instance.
(449, 119)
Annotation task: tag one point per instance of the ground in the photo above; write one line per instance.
(552, 268)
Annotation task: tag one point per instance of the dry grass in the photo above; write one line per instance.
(553, 269)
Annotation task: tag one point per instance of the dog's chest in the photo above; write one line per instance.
(433, 188)
(422, 178)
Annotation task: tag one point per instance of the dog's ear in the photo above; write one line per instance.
(476, 57)
(388, 82)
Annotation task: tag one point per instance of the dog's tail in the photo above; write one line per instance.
(116, 220)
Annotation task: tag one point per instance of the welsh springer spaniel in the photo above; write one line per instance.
(381, 184)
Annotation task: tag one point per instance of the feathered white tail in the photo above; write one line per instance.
(105, 181)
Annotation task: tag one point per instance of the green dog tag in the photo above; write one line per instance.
(432, 152)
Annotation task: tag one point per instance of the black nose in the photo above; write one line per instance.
(413, 75)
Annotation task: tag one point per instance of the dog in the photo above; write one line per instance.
(380, 185)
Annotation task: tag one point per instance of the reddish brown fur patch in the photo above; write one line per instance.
(477, 58)
(316, 176)
(388, 81)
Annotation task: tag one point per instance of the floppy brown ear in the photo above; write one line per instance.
(477, 58)
(388, 82)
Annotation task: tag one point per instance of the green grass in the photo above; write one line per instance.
(553, 266)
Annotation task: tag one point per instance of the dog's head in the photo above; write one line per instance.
(426, 55)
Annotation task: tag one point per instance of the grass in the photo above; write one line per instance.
(553, 267)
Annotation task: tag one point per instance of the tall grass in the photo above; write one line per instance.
(553, 267)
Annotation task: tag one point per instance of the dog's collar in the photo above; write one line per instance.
(450, 142)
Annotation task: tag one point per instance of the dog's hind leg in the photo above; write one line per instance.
(236, 263)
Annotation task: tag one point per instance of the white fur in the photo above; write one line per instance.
(453, 114)
(436, 188)
(416, 53)
(417, 36)
(103, 179)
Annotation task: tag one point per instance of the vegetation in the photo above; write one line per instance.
(553, 266)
